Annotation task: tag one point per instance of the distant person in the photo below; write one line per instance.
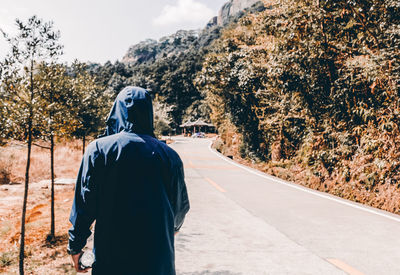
(133, 186)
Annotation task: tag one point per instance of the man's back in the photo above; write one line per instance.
(132, 185)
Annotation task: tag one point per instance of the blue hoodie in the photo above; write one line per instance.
(133, 186)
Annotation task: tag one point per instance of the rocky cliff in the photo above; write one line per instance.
(150, 50)
(232, 8)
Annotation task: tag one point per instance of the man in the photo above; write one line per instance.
(133, 186)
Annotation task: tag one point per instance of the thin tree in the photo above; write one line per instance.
(34, 42)
(56, 99)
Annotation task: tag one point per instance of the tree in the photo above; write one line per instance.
(91, 103)
(56, 105)
(161, 119)
(36, 41)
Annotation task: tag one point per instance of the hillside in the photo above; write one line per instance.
(310, 92)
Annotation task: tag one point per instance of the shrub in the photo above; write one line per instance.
(5, 172)
(6, 259)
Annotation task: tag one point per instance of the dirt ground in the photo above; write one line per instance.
(42, 257)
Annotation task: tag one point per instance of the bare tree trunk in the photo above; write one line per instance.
(22, 242)
(83, 144)
(28, 164)
(52, 228)
(51, 237)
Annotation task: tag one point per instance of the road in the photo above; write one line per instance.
(245, 222)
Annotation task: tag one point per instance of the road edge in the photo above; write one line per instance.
(317, 193)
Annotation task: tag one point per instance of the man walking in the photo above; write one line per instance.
(133, 186)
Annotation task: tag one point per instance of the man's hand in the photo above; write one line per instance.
(75, 260)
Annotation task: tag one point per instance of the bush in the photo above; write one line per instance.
(6, 259)
(161, 128)
(5, 173)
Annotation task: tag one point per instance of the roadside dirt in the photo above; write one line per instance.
(43, 257)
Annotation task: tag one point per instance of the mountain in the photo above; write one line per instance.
(181, 41)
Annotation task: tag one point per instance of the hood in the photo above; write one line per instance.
(132, 112)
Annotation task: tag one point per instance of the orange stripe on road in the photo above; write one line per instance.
(189, 164)
(197, 157)
(219, 188)
(214, 167)
(345, 267)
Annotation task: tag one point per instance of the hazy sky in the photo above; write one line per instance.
(101, 30)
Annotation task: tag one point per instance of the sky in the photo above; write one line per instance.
(102, 30)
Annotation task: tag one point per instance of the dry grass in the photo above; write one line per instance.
(41, 256)
(66, 162)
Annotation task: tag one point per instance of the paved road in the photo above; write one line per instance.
(244, 222)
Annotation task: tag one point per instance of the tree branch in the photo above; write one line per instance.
(41, 146)
(365, 26)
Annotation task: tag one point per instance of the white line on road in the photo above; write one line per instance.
(304, 189)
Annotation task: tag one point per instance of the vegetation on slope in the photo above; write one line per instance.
(312, 88)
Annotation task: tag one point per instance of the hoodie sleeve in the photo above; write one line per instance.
(178, 194)
(84, 207)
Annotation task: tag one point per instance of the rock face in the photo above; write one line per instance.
(232, 8)
(150, 49)
(212, 22)
(141, 52)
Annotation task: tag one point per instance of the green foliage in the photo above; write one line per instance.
(66, 101)
(56, 99)
(233, 79)
(35, 42)
(90, 104)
